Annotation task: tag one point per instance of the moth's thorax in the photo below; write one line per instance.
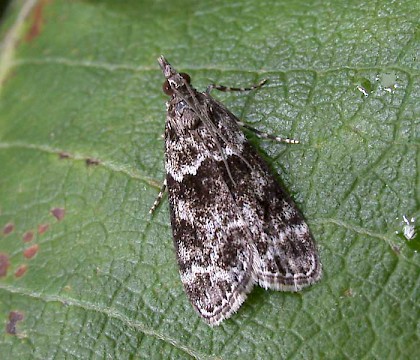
(182, 118)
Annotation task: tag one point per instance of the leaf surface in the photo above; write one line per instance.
(81, 161)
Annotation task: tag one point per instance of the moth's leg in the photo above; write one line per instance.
(259, 133)
(264, 135)
(159, 198)
(227, 88)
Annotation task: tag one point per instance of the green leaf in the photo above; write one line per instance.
(81, 161)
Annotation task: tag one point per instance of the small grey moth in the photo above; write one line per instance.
(233, 225)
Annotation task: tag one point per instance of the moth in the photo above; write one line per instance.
(233, 224)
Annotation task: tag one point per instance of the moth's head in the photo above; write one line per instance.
(174, 80)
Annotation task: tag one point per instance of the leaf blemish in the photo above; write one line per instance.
(14, 318)
(92, 161)
(8, 228)
(396, 249)
(4, 264)
(42, 228)
(28, 236)
(21, 270)
(348, 292)
(31, 251)
(64, 155)
(37, 21)
(58, 213)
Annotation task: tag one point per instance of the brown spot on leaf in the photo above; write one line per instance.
(396, 249)
(8, 228)
(14, 317)
(31, 251)
(348, 292)
(28, 236)
(58, 213)
(4, 264)
(64, 155)
(21, 270)
(42, 228)
(92, 161)
(37, 21)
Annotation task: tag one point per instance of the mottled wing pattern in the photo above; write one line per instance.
(285, 258)
(212, 242)
(232, 223)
